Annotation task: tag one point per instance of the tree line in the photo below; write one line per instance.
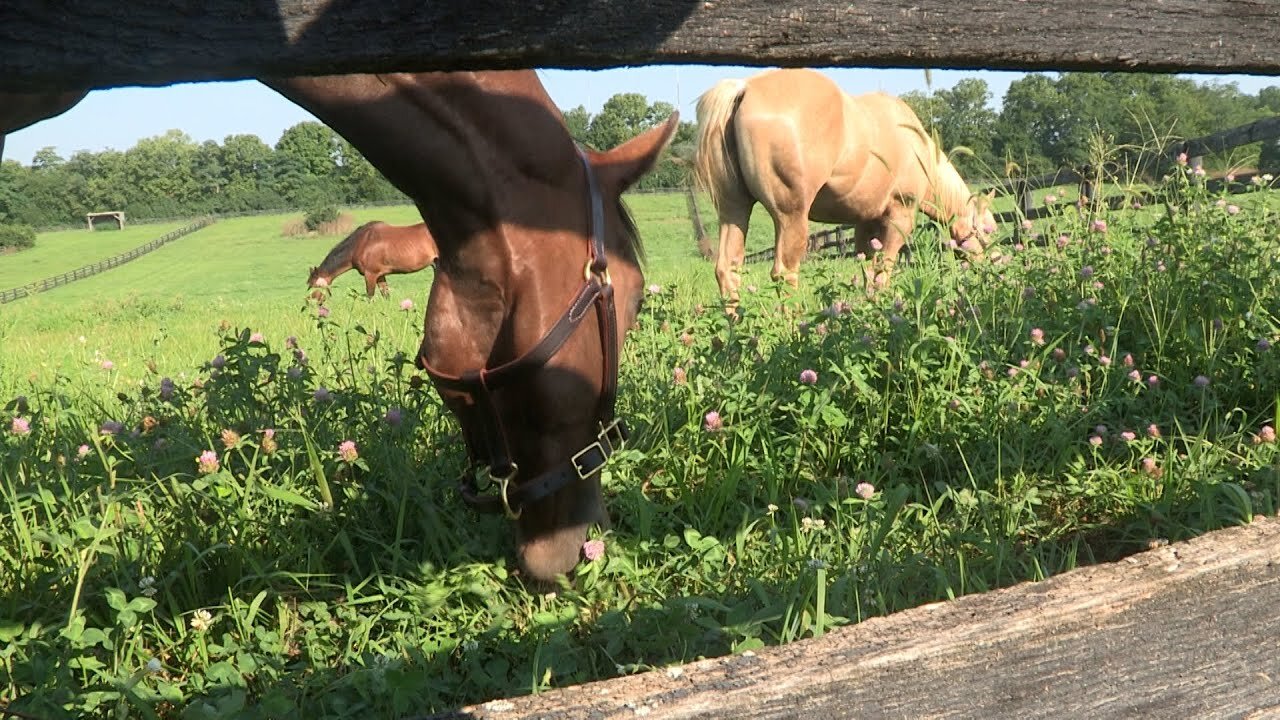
(310, 167)
(1067, 120)
(1044, 122)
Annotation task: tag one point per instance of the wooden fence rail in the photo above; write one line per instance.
(1195, 149)
(49, 283)
(46, 44)
(1186, 630)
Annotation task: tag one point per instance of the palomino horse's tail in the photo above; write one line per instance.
(716, 163)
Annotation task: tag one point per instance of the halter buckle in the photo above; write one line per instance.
(610, 438)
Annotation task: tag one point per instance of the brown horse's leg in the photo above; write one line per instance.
(732, 252)
(382, 286)
(370, 283)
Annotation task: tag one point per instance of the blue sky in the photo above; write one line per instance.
(118, 118)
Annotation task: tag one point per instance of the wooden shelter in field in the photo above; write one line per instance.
(1186, 630)
(93, 217)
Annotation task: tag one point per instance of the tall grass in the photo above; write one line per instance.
(182, 534)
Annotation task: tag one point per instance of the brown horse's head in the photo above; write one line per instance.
(545, 315)
(537, 279)
(317, 279)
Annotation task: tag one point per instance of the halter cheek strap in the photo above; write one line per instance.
(491, 458)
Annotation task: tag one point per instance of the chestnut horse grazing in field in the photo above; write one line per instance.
(795, 142)
(534, 241)
(377, 250)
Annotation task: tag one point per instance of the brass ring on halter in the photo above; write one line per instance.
(605, 278)
(503, 483)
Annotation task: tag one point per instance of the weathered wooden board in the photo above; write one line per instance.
(1187, 630)
(99, 43)
(1264, 129)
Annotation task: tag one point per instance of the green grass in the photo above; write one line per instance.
(59, 252)
(944, 446)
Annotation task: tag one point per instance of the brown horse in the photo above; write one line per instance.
(377, 250)
(533, 240)
(793, 141)
(18, 110)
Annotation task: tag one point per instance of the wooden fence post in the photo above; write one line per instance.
(1088, 201)
(1022, 198)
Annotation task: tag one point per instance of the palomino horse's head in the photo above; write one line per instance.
(524, 347)
(973, 230)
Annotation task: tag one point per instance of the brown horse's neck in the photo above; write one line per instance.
(338, 260)
(500, 156)
(460, 120)
(18, 110)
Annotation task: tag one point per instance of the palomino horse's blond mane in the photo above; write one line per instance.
(948, 199)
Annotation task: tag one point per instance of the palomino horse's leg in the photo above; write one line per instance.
(791, 240)
(895, 229)
(863, 234)
(731, 253)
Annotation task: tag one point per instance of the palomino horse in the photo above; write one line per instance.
(792, 140)
(377, 250)
(533, 240)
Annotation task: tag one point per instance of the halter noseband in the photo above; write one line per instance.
(491, 462)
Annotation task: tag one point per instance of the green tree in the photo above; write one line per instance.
(578, 120)
(360, 180)
(158, 175)
(247, 169)
(1028, 126)
(12, 178)
(306, 166)
(1269, 100)
(45, 158)
(960, 116)
(623, 116)
(313, 145)
(104, 181)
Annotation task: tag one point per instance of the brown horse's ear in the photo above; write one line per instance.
(620, 168)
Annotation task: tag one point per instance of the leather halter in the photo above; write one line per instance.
(491, 462)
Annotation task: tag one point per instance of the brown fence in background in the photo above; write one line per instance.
(49, 283)
(838, 241)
